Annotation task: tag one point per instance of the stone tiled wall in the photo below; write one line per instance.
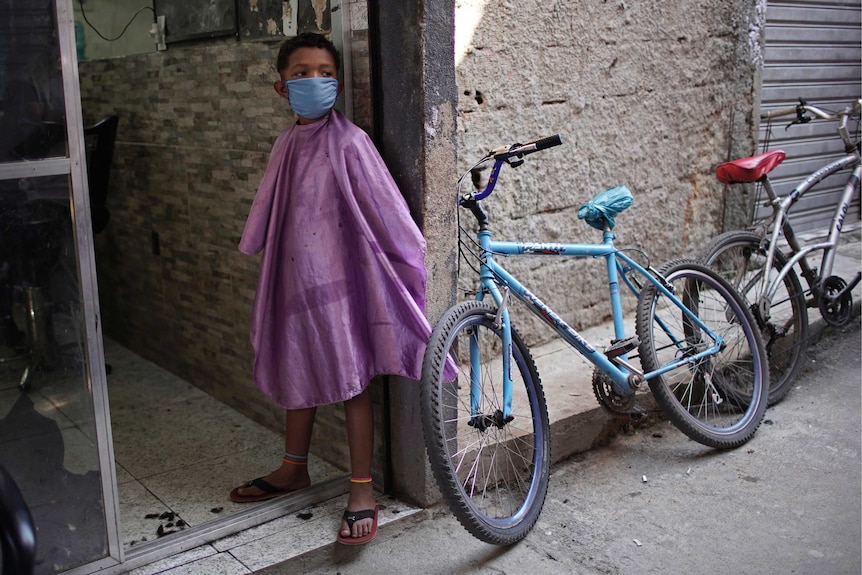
(196, 126)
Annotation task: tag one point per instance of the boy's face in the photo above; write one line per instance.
(306, 62)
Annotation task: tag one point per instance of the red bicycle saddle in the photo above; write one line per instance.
(750, 169)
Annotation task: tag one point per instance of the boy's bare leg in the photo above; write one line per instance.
(359, 415)
(298, 424)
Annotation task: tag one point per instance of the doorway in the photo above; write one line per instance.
(194, 128)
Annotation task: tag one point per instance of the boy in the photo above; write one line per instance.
(340, 297)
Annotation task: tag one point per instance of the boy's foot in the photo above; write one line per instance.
(273, 485)
(349, 526)
(359, 522)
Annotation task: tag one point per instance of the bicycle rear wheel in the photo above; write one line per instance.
(492, 470)
(740, 259)
(719, 399)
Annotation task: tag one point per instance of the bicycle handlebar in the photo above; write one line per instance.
(799, 111)
(501, 155)
(802, 107)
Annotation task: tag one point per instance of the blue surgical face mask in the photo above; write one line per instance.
(311, 97)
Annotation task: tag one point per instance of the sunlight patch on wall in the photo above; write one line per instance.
(468, 15)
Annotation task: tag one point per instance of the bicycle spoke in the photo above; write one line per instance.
(740, 258)
(715, 399)
(485, 462)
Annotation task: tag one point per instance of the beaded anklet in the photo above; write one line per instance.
(295, 459)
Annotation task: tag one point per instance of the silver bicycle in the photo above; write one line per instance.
(777, 299)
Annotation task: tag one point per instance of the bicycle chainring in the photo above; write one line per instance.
(603, 387)
(836, 311)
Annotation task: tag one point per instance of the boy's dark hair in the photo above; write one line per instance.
(305, 40)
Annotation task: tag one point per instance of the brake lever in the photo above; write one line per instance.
(801, 116)
(802, 119)
(515, 163)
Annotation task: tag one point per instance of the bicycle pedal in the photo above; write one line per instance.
(638, 413)
(621, 346)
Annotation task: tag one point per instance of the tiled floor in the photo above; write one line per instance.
(271, 543)
(178, 452)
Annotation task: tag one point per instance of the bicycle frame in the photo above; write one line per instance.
(780, 224)
(493, 276)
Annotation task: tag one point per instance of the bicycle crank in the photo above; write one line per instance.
(603, 388)
(836, 300)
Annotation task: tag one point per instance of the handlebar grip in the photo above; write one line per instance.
(518, 150)
(549, 142)
(777, 113)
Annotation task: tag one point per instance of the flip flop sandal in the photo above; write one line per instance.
(351, 517)
(270, 491)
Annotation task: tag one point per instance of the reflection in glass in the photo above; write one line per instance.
(32, 112)
(47, 424)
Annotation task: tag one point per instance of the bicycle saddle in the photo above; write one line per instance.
(745, 170)
(605, 206)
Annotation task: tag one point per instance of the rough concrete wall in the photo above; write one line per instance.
(650, 94)
(415, 94)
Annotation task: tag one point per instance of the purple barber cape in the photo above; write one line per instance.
(341, 293)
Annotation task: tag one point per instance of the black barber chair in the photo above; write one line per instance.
(17, 531)
(100, 139)
(37, 230)
(29, 244)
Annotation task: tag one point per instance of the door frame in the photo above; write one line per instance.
(74, 166)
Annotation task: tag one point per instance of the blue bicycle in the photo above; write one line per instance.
(484, 412)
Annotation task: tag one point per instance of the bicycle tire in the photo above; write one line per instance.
(492, 474)
(738, 256)
(717, 400)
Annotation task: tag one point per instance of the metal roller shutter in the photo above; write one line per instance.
(812, 51)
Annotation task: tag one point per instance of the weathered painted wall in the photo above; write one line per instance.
(652, 94)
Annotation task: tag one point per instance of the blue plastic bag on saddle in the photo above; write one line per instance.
(605, 206)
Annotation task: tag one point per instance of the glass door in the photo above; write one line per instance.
(54, 432)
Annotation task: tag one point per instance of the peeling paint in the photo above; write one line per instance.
(319, 11)
(271, 27)
(431, 125)
(288, 18)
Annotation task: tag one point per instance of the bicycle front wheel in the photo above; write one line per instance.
(718, 399)
(740, 259)
(491, 467)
